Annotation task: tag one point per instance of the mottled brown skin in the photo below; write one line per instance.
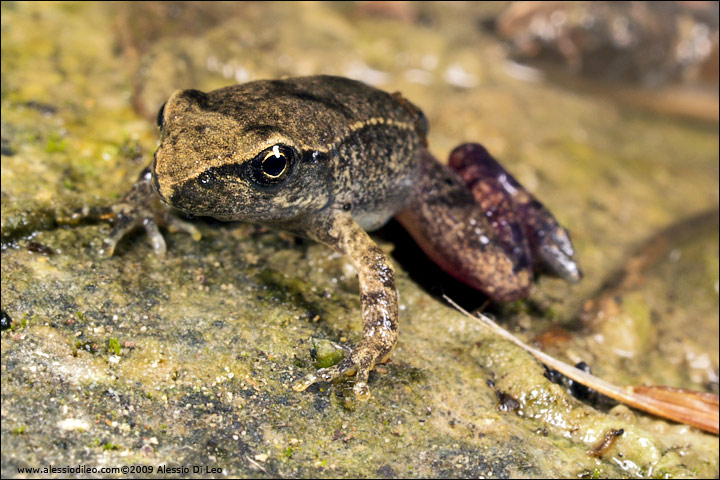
(455, 233)
(326, 158)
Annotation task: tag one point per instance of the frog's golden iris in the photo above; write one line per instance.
(273, 165)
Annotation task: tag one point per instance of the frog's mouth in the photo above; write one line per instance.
(155, 184)
(154, 181)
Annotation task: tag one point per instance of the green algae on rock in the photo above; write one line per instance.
(211, 335)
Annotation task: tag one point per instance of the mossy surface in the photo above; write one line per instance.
(188, 359)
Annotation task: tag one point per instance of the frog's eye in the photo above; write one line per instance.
(160, 115)
(273, 165)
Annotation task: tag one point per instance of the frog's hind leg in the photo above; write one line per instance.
(446, 221)
(494, 188)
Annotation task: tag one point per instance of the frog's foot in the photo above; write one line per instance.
(360, 362)
(126, 217)
(140, 207)
(493, 187)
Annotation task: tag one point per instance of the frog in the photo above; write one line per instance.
(330, 159)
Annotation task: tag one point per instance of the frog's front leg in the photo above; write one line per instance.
(377, 295)
(142, 207)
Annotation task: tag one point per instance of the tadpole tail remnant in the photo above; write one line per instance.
(513, 211)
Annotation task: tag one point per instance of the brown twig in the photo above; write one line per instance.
(698, 409)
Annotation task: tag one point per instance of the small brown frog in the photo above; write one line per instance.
(329, 158)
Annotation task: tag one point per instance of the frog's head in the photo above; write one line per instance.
(229, 155)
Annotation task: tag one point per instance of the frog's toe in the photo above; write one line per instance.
(326, 374)
(154, 235)
(174, 224)
(361, 389)
(360, 362)
(124, 221)
(122, 224)
(110, 243)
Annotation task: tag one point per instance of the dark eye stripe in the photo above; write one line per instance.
(270, 167)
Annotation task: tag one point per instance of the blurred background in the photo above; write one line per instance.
(663, 56)
(606, 111)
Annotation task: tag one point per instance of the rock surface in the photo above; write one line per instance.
(186, 360)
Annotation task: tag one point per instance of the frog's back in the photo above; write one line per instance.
(319, 111)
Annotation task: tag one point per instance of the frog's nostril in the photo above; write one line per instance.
(206, 179)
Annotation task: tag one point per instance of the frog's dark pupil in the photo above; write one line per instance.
(273, 165)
